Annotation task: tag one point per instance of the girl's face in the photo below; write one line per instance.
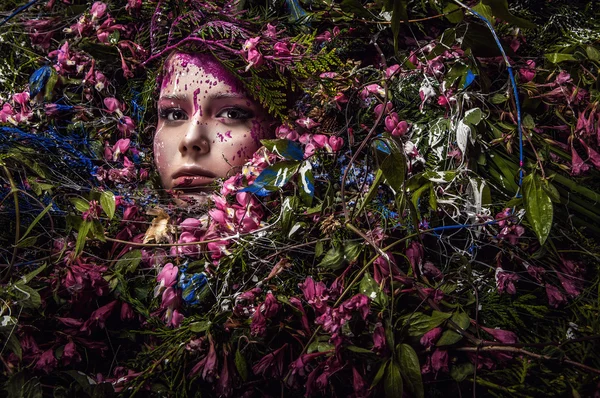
(207, 125)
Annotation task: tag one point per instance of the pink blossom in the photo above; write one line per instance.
(286, 132)
(271, 32)
(555, 297)
(503, 336)
(250, 44)
(391, 71)
(41, 31)
(328, 75)
(360, 387)
(505, 281)
(379, 340)
(415, 254)
(133, 5)
(47, 361)
(535, 272)
(127, 313)
(394, 126)
(593, 156)
(383, 108)
(6, 113)
(336, 30)
(563, 77)
(336, 143)
(439, 360)
(527, 73)
(93, 211)
(325, 36)
(320, 140)
(307, 123)
(126, 126)
(208, 365)
(430, 270)
(166, 278)
(99, 317)
(304, 321)
(578, 166)
(271, 365)
(429, 338)
(281, 49)
(175, 319)
(112, 104)
(315, 293)
(98, 10)
(255, 58)
(70, 353)
(340, 99)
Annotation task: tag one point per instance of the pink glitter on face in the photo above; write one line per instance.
(207, 125)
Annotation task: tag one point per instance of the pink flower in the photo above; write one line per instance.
(41, 31)
(320, 140)
(250, 44)
(93, 211)
(505, 281)
(555, 297)
(98, 10)
(439, 360)
(112, 104)
(271, 365)
(340, 99)
(208, 365)
(47, 361)
(379, 341)
(503, 336)
(99, 317)
(255, 58)
(133, 5)
(271, 32)
(383, 108)
(167, 276)
(6, 113)
(120, 147)
(360, 387)
(286, 132)
(175, 319)
(328, 75)
(304, 321)
(126, 126)
(281, 49)
(325, 36)
(429, 338)
(578, 166)
(127, 312)
(336, 143)
(528, 73)
(70, 353)
(394, 126)
(391, 71)
(315, 294)
(307, 123)
(563, 77)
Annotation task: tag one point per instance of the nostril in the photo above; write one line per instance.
(196, 148)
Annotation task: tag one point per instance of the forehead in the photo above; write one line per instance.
(197, 69)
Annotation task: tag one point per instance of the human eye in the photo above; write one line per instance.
(236, 113)
(173, 114)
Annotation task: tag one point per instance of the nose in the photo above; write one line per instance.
(195, 141)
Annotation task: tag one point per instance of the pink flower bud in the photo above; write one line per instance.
(320, 140)
(336, 143)
(112, 104)
(429, 338)
(98, 10)
(281, 49)
(391, 71)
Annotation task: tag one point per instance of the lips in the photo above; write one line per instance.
(191, 177)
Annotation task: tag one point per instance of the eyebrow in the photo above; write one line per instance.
(179, 97)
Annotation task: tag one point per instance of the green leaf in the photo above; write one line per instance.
(473, 116)
(13, 344)
(419, 323)
(355, 7)
(107, 201)
(80, 204)
(359, 350)
(371, 289)
(379, 375)
(592, 53)
(82, 233)
(500, 10)
(485, 11)
(98, 231)
(352, 251)
(27, 278)
(399, 14)
(461, 371)
(454, 13)
(29, 297)
(129, 262)
(528, 122)
(394, 163)
(320, 346)
(556, 58)
(411, 370)
(241, 365)
(27, 242)
(392, 384)
(450, 337)
(334, 258)
(36, 220)
(538, 206)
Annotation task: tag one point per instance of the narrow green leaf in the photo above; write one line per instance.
(27, 242)
(80, 204)
(37, 220)
(485, 11)
(13, 344)
(82, 233)
(411, 370)
(538, 206)
(500, 10)
(379, 375)
(107, 201)
(240, 365)
(419, 323)
(98, 231)
(592, 53)
(392, 384)
(27, 278)
(129, 262)
(556, 58)
(28, 296)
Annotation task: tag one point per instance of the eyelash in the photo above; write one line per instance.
(168, 113)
